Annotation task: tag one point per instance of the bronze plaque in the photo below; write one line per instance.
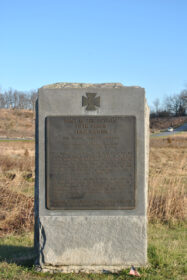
(90, 162)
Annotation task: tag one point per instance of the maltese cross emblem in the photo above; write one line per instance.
(91, 101)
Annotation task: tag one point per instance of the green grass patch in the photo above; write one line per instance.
(17, 248)
(166, 253)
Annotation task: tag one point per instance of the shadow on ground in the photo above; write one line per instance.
(24, 256)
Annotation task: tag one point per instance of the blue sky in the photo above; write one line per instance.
(135, 42)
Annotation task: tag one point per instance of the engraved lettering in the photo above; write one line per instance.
(90, 162)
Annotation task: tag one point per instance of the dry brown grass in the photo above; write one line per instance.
(16, 186)
(167, 205)
(16, 123)
(16, 156)
(168, 179)
(20, 123)
(167, 182)
(17, 212)
(179, 141)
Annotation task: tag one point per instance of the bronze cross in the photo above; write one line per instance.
(91, 101)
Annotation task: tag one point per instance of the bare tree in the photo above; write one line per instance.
(156, 104)
(33, 98)
(176, 104)
(16, 99)
(183, 97)
(8, 97)
(2, 101)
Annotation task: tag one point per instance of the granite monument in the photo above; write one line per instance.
(91, 177)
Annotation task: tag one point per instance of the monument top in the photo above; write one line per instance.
(85, 85)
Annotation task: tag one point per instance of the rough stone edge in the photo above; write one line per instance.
(85, 85)
(85, 269)
(36, 190)
(147, 140)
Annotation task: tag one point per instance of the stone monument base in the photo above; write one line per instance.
(84, 269)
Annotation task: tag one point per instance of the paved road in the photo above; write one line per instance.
(175, 131)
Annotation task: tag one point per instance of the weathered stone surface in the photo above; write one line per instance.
(92, 240)
(83, 85)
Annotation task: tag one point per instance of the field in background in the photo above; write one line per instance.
(16, 186)
(168, 179)
(16, 123)
(20, 123)
(167, 182)
(157, 124)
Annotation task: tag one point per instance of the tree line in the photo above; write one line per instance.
(14, 99)
(174, 105)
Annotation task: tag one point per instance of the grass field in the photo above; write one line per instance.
(168, 178)
(21, 123)
(16, 123)
(166, 254)
(166, 212)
